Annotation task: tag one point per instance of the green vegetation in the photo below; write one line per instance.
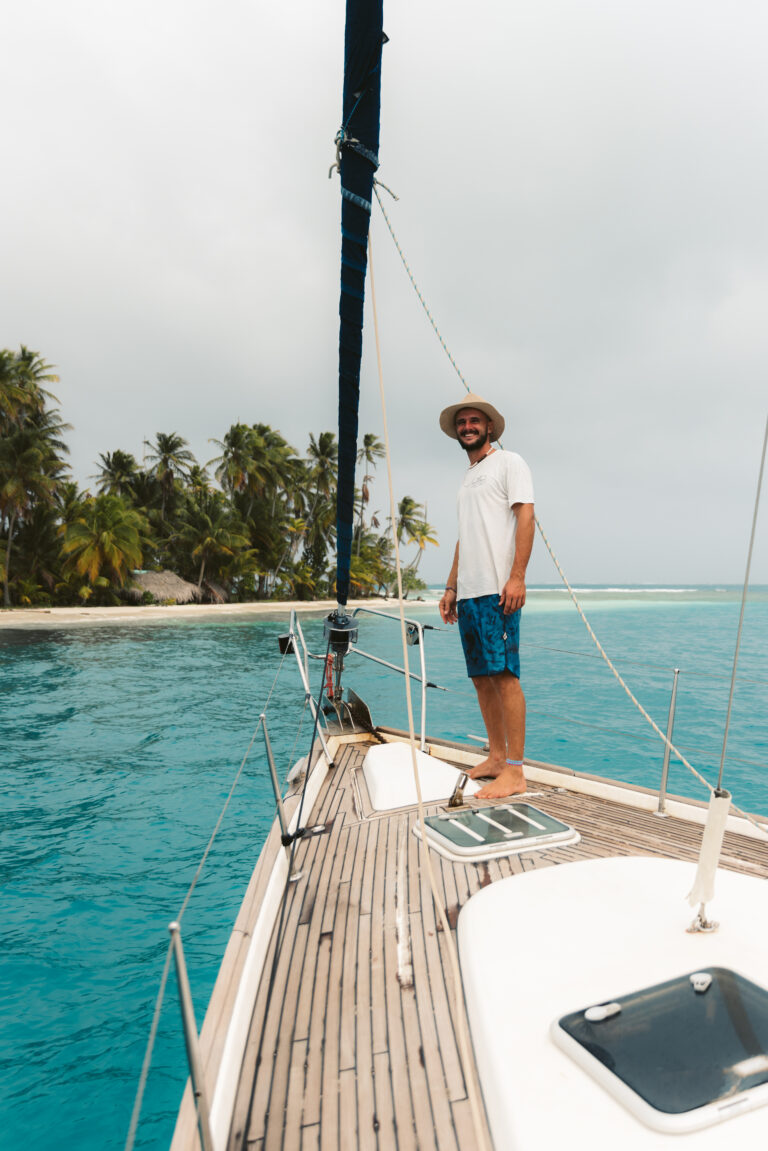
(255, 522)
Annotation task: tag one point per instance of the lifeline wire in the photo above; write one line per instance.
(667, 742)
(760, 827)
(461, 1022)
(227, 801)
(279, 934)
(129, 1141)
(141, 1087)
(741, 613)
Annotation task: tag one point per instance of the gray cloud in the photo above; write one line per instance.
(582, 200)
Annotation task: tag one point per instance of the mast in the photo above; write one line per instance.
(357, 145)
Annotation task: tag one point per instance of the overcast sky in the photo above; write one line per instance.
(583, 190)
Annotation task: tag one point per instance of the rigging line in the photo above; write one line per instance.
(299, 729)
(689, 672)
(279, 934)
(137, 1103)
(416, 289)
(227, 801)
(741, 613)
(130, 1138)
(635, 736)
(638, 705)
(459, 1005)
(763, 828)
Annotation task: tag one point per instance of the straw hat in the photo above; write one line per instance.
(448, 415)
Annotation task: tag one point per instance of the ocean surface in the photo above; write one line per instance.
(120, 744)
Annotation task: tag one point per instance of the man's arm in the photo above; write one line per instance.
(448, 611)
(513, 593)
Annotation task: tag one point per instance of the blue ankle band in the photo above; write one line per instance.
(515, 762)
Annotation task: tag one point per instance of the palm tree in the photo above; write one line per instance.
(25, 478)
(171, 457)
(199, 481)
(213, 534)
(408, 518)
(11, 393)
(371, 451)
(30, 462)
(117, 473)
(236, 467)
(30, 443)
(69, 501)
(320, 535)
(106, 541)
(22, 375)
(421, 534)
(281, 462)
(38, 551)
(255, 463)
(323, 455)
(413, 528)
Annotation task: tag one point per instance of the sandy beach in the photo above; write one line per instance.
(51, 617)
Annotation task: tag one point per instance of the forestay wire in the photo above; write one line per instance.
(138, 1101)
(763, 828)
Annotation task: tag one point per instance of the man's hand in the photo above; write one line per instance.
(448, 612)
(512, 594)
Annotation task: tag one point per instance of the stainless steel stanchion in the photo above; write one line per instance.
(191, 1040)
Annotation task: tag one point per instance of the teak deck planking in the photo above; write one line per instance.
(347, 1055)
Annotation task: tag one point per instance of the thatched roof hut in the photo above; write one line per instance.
(164, 587)
(215, 592)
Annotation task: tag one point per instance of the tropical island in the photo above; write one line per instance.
(256, 522)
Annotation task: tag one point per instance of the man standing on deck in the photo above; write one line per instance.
(486, 586)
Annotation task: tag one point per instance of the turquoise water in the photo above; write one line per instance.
(120, 744)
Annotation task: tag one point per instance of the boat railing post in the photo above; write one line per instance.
(191, 1040)
(296, 629)
(286, 837)
(304, 674)
(423, 733)
(662, 808)
(415, 637)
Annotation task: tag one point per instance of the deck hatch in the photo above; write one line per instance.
(678, 1058)
(501, 829)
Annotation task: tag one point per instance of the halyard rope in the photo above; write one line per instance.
(460, 1008)
(131, 1136)
(763, 828)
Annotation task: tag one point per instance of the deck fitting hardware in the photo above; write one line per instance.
(457, 799)
(702, 924)
(705, 926)
(288, 837)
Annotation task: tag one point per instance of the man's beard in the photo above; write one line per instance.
(477, 444)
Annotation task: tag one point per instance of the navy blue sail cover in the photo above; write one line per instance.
(359, 145)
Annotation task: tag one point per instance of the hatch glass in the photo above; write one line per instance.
(679, 1058)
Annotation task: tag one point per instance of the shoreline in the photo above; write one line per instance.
(540, 599)
(50, 617)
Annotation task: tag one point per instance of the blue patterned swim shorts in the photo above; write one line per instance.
(490, 639)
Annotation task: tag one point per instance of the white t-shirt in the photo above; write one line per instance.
(487, 523)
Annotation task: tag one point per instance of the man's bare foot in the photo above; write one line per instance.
(489, 768)
(509, 781)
